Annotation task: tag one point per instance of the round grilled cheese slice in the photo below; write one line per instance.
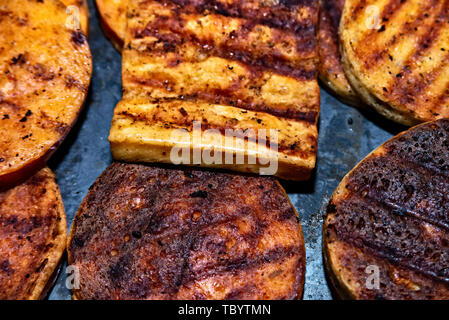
(395, 55)
(45, 69)
(386, 232)
(33, 235)
(146, 232)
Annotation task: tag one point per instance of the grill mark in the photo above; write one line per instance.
(408, 88)
(402, 88)
(379, 56)
(281, 16)
(270, 60)
(187, 124)
(305, 42)
(242, 263)
(356, 9)
(380, 197)
(384, 251)
(418, 160)
(228, 97)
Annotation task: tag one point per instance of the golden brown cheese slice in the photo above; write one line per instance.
(45, 70)
(330, 68)
(146, 232)
(33, 236)
(395, 54)
(386, 233)
(113, 20)
(79, 10)
(238, 65)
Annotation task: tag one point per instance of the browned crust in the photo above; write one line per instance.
(210, 230)
(415, 162)
(33, 234)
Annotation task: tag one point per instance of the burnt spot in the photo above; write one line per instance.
(19, 59)
(183, 112)
(136, 234)
(78, 38)
(78, 242)
(25, 117)
(199, 194)
(5, 267)
(118, 270)
(331, 208)
(42, 73)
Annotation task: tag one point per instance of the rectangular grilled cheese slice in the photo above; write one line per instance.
(246, 66)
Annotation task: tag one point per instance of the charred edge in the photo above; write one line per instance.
(232, 51)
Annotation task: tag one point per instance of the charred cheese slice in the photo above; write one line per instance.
(146, 232)
(386, 230)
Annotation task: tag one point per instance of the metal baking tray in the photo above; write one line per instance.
(346, 135)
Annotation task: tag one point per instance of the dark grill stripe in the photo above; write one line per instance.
(231, 97)
(281, 16)
(379, 56)
(236, 49)
(391, 254)
(268, 62)
(408, 89)
(427, 176)
(276, 254)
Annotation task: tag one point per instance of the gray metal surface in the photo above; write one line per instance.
(345, 136)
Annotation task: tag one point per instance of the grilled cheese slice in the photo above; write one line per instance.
(237, 68)
(385, 235)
